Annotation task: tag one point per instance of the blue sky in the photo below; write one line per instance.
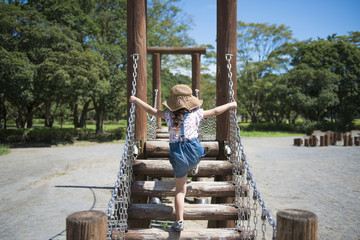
(306, 18)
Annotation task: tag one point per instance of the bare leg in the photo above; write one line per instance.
(180, 188)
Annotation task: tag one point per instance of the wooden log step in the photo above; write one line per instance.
(163, 168)
(191, 212)
(193, 189)
(162, 135)
(203, 233)
(162, 149)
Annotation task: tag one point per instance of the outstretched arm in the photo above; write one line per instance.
(147, 108)
(220, 109)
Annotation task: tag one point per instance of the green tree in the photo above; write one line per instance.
(257, 58)
(336, 65)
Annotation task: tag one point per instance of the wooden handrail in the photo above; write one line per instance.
(176, 50)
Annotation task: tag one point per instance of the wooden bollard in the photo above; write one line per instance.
(306, 144)
(357, 141)
(294, 224)
(298, 141)
(86, 225)
(322, 141)
(314, 141)
(327, 139)
(346, 140)
(351, 142)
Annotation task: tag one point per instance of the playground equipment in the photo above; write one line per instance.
(237, 210)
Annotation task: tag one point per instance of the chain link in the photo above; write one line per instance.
(241, 170)
(120, 196)
(207, 126)
(151, 125)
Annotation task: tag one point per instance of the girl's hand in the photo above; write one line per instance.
(233, 104)
(132, 99)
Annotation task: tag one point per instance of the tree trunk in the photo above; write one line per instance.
(75, 115)
(49, 119)
(83, 117)
(2, 112)
(29, 116)
(100, 115)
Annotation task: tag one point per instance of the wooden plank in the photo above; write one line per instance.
(176, 50)
(202, 234)
(193, 189)
(162, 149)
(163, 168)
(191, 211)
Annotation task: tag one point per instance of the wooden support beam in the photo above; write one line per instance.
(191, 212)
(193, 189)
(176, 50)
(207, 168)
(195, 59)
(294, 224)
(136, 43)
(156, 65)
(226, 44)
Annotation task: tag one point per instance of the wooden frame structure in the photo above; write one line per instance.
(156, 53)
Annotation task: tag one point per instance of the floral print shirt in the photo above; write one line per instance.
(191, 125)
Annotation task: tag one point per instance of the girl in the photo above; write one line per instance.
(185, 149)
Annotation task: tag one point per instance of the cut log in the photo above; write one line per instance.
(205, 233)
(163, 168)
(162, 135)
(191, 212)
(162, 149)
(193, 189)
(86, 225)
(293, 224)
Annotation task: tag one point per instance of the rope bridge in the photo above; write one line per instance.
(247, 198)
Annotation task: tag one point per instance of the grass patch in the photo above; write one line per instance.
(4, 149)
(268, 134)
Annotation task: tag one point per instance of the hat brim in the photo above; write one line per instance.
(189, 103)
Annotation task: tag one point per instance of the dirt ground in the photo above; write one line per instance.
(40, 187)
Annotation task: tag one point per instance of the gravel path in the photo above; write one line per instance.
(40, 187)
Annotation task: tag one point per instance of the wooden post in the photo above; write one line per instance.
(86, 225)
(350, 141)
(195, 60)
(322, 141)
(226, 44)
(156, 64)
(136, 43)
(346, 140)
(293, 224)
(357, 141)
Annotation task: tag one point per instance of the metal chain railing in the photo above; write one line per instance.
(244, 179)
(152, 122)
(120, 197)
(207, 126)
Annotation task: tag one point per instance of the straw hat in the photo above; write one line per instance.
(181, 97)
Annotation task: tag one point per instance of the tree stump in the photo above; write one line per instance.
(357, 141)
(89, 225)
(350, 141)
(346, 140)
(294, 224)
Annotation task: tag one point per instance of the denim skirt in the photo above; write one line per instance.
(185, 155)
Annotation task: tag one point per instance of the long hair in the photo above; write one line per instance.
(177, 117)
